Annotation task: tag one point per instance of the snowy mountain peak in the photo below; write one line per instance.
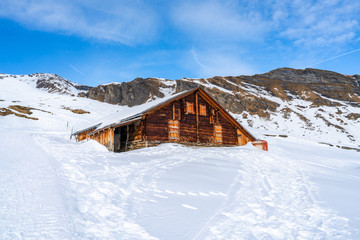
(50, 82)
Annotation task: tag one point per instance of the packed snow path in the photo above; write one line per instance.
(54, 188)
(31, 197)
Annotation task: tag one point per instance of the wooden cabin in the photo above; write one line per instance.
(192, 117)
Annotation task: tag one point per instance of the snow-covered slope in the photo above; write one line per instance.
(49, 82)
(52, 187)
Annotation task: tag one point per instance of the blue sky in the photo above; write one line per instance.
(94, 42)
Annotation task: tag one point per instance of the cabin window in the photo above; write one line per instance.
(218, 134)
(174, 130)
(190, 108)
(202, 110)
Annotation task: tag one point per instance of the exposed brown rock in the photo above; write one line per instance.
(77, 111)
(131, 93)
(17, 109)
(22, 109)
(353, 116)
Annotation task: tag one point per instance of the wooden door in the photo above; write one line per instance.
(174, 130)
(218, 134)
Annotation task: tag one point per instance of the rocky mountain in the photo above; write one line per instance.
(299, 102)
(312, 101)
(50, 82)
(285, 83)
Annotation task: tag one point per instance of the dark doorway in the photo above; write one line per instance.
(120, 138)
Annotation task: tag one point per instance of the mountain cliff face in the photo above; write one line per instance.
(131, 93)
(309, 101)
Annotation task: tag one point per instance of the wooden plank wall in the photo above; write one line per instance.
(157, 123)
(188, 128)
(83, 135)
(135, 132)
(127, 135)
(206, 129)
(229, 133)
(106, 138)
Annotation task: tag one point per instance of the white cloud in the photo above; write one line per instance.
(321, 23)
(303, 23)
(76, 69)
(128, 22)
(213, 63)
(218, 19)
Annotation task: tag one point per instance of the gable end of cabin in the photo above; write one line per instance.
(193, 118)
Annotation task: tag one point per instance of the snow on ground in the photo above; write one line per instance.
(54, 188)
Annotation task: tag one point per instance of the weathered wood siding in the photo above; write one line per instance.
(106, 138)
(127, 136)
(206, 129)
(188, 131)
(229, 134)
(83, 135)
(157, 123)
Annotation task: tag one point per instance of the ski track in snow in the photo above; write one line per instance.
(31, 205)
(107, 194)
(274, 203)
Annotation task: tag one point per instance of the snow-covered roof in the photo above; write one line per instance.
(134, 113)
(86, 129)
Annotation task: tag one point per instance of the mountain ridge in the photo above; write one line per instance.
(50, 82)
(304, 102)
(300, 102)
(295, 81)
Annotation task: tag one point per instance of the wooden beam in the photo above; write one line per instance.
(142, 130)
(173, 110)
(127, 136)
(197, 115)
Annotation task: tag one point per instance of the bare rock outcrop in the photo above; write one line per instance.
(317, 86)
(131, 93)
